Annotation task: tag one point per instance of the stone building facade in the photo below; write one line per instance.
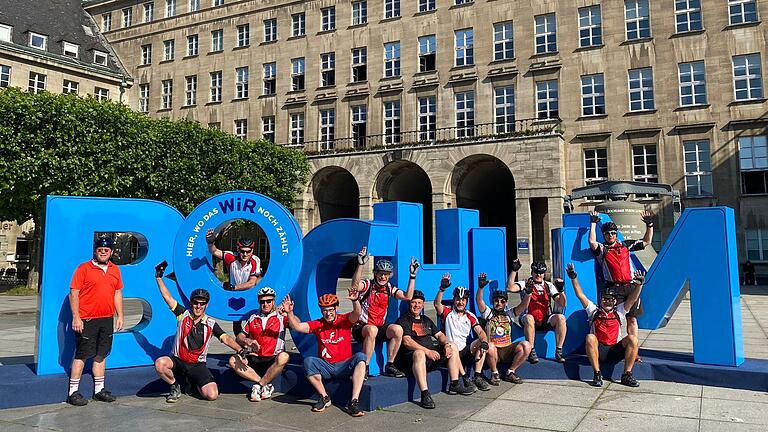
(446, 102)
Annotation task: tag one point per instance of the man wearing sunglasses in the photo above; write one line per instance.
(541, 307)
(264, 336)
(616, 263)
(244, 268)
(190, 346)
(606, 341)
(498, 327)
(95, 297)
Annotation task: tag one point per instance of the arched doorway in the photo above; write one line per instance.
(485, 183)
(336, 195)
(405, 181)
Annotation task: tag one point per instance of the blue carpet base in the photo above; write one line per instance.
(20, 386)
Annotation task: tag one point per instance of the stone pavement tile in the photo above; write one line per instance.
(114, 417)
(677, 346)
(649, 403)
(581, 396)
(608, 421)
(493, 393)
(735, 394)
(659, 387)
(668, 337)
(716, 426)
(395, 421)
(476, 426)
(12, 414)
(15, 427)
(529, 415)
(448, 406)
(734, 410)
(559, 382)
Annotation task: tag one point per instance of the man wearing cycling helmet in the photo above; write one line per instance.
(190, 346)
(616, 263)
(244, 268)
(374, 301)
(499, 318)
(541, 307)
(334, 349)
(458, 324)
(95, 297)
(606, 341)
(263, 335)
(425, 348)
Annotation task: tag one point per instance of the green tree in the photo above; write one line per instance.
(67, 145)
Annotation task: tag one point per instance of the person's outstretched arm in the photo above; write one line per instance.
(210, 238)
(357, 277)
(594, 218)
(648, 220)
(514, 268)
(293, 320)
(482, 281)
(576, 285)
(445, 282)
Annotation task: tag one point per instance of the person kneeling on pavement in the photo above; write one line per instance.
(425, 348)
(334, 349)
(190, 346)
(458, 324)
(264, 336)
(606, 341)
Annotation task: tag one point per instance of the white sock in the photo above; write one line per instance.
(74, 385)
(98, 384)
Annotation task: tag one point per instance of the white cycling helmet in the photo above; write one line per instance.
(266, 291)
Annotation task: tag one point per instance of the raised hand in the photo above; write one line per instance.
(529, 286)
(362, 256)
(639, 277)
(570, 270)
(647, 218)
(160, 269)
(210, 237)
(353, 294)
(414, 267)
(287, 304)
(445, 282)
(559, 285)
(516, 265)
(594, 217)
(482, 280)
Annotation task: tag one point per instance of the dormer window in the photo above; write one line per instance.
(100, 58)
(5, 33)
(38, 41)
(70, 49)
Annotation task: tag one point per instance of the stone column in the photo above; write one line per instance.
(524, 232)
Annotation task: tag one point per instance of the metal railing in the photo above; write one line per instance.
(429, 137)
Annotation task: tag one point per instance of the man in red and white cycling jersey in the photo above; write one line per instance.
(264, 335)
(244, 268)
(606, 340)
(374, 300)
(190, 346)
(541, 307)
(616, 263)
(458, 324)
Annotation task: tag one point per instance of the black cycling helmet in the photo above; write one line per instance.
(539, 267)
(200, 294)
(460, 292)
(608, 226)
(244, 242)
(418, 295)
(499, 294)
(104, 241)
(610, 292)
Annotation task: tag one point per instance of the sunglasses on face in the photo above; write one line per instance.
(499, 300)
(245, 252)
(266, 301)
(613, 233)
(199, 303)
(103, 250)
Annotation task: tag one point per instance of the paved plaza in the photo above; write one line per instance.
(535, 405)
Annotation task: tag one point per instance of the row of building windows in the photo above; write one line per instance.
(692, 84)
(688, 18)
(40, 41)
(37, 83)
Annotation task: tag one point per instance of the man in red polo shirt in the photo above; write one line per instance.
(95, 296)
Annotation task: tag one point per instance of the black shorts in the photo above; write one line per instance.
(95, 339)
(404, 360)
(196, 374)
(623, 292)
(465, 355)
(357, 332)
(610, 353)
(261, 364)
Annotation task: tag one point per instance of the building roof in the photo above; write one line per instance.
(61, 21)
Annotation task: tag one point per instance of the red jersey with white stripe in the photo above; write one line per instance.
(375, 301)
(616, 261)
(334, 340)
(239, 272)
(606, 326)
(458, 326)
(540, 307)
(191, 342)
(269, 331)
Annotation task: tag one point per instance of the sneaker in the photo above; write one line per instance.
(321, 404)
(426, 400)
(533, 358)
(469, 384)
(266, 391)
(481, 383)
(76, 399)
(628, 380)
(353, 409)
(391, 370)
(255, 393)
(459, 388)
(175, 394)
(597, 380)
(559, 356)
(513, 378)
(104, 396)
(495, 379)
